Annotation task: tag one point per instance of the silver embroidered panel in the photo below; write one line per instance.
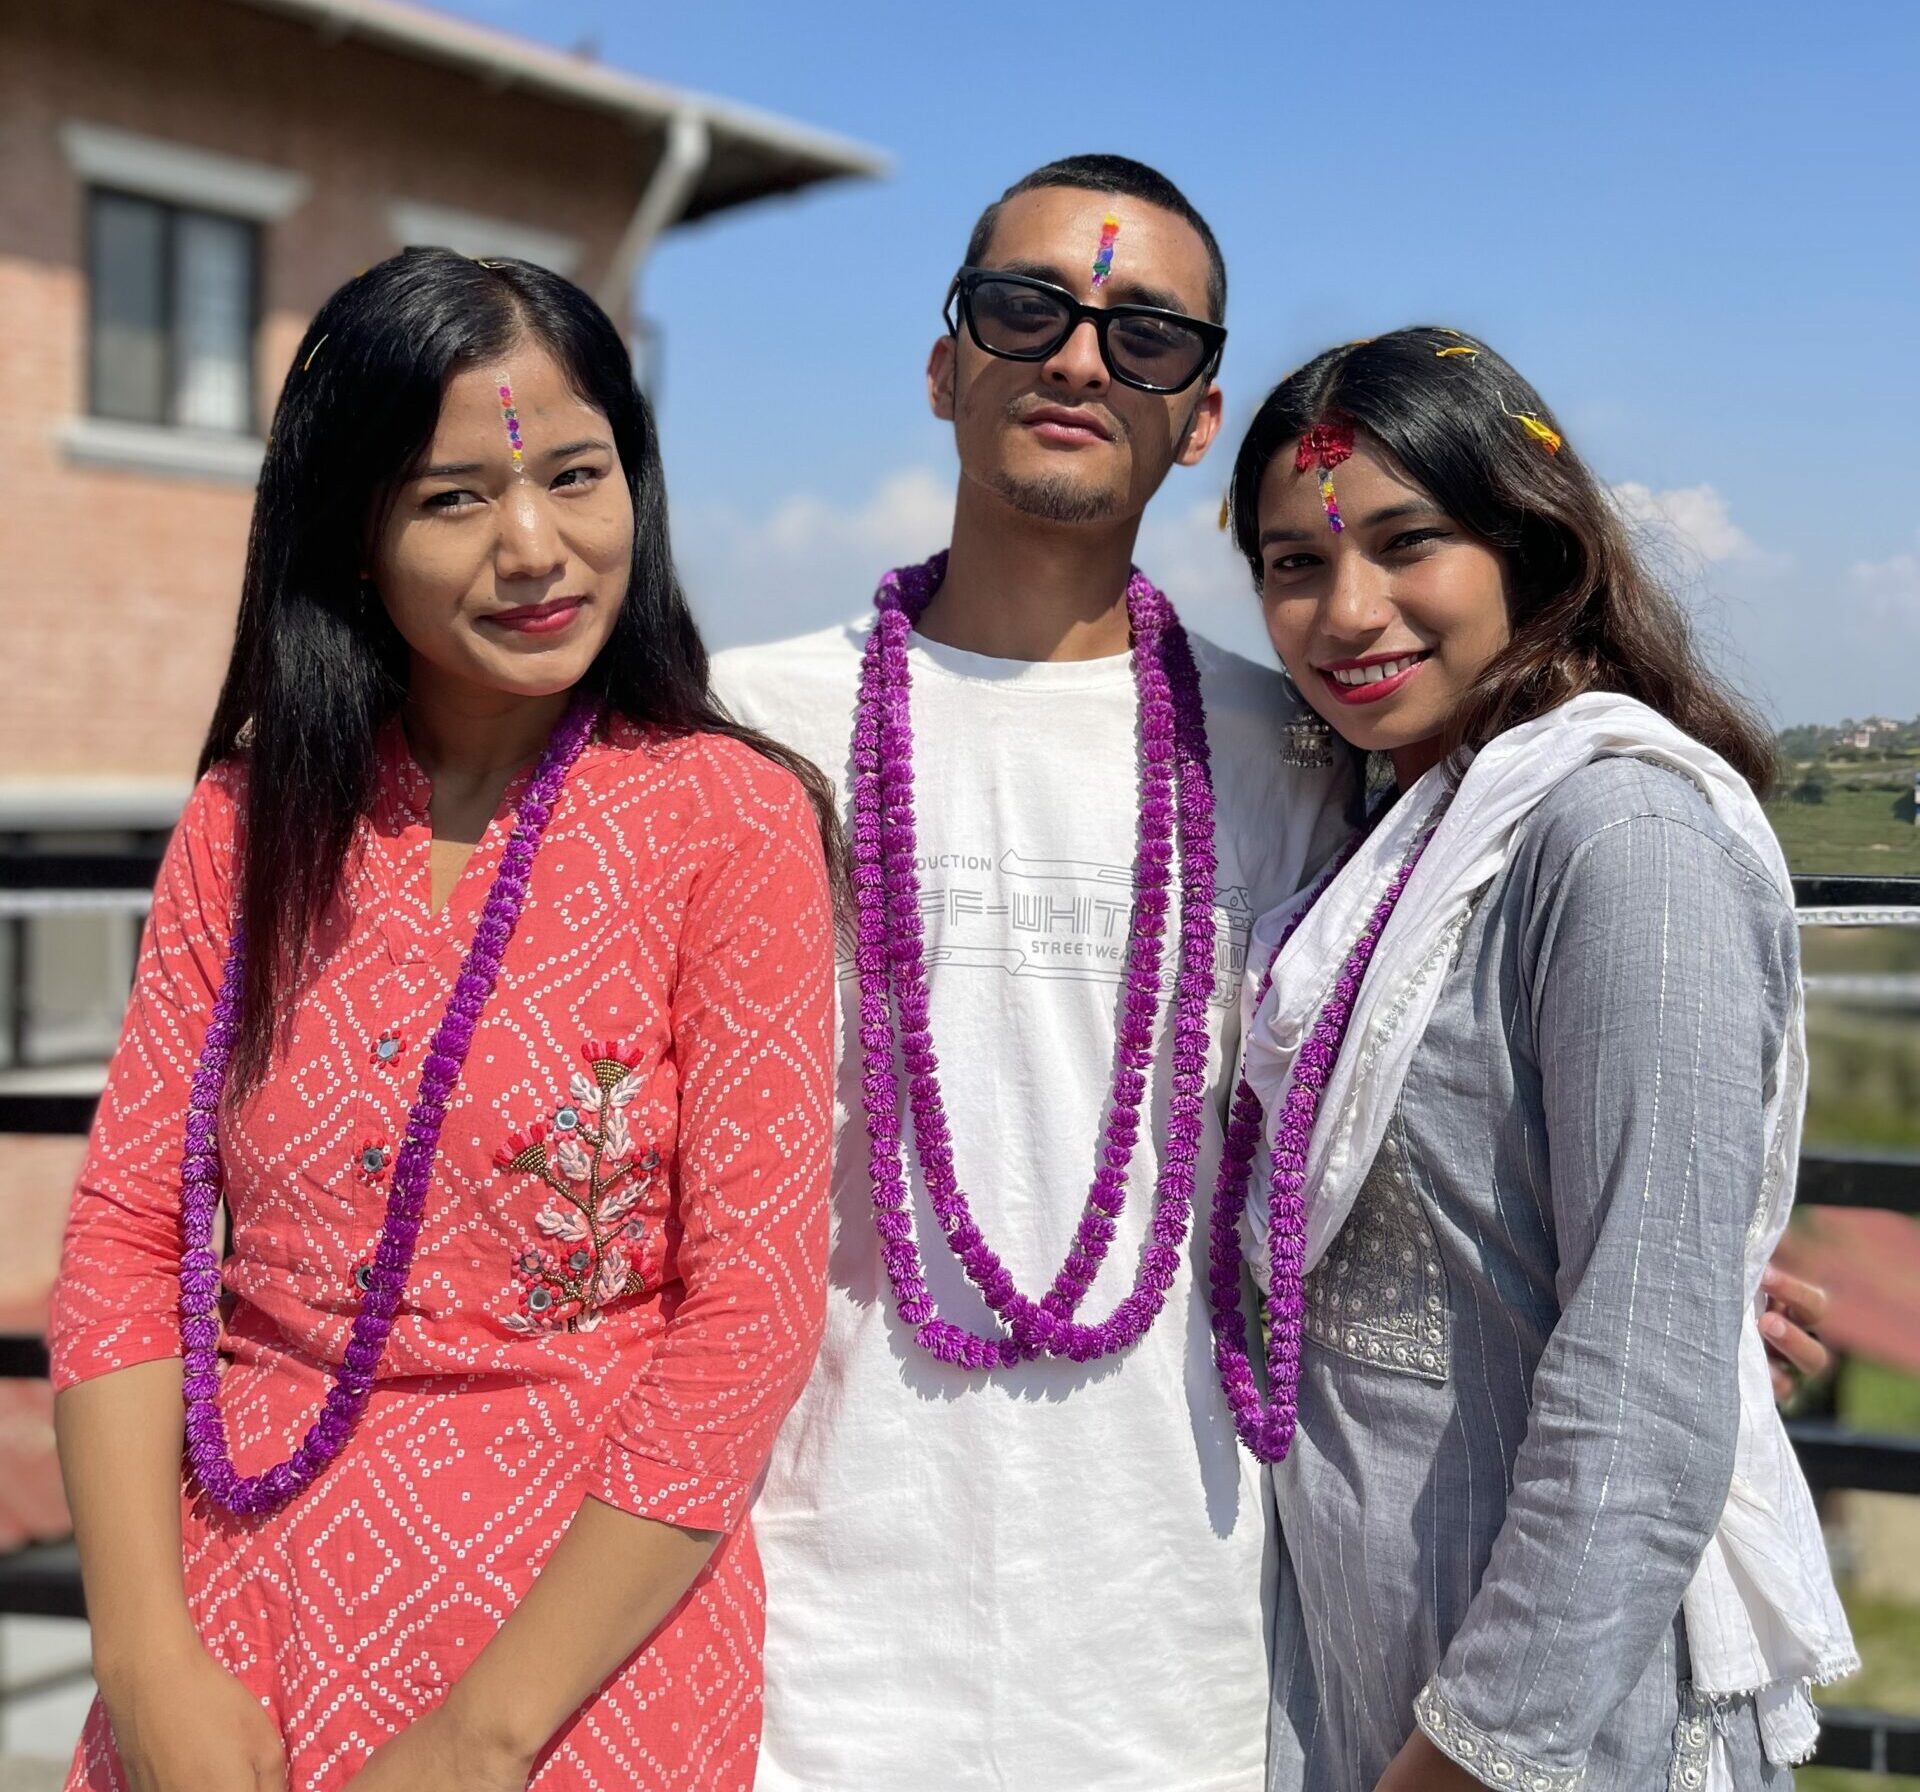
(1692, 1742)
(1379, 1295)
(1487, 1759)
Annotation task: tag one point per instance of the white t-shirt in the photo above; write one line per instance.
(1056, 1576)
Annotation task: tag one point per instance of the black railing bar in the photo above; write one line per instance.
(1887, 1180)
(78, 870)
(32, 870)
(1817, 890)
(47, 1114)
(42, 1580)
(23, 1357)
(1833, 1455)
(1868, 1741)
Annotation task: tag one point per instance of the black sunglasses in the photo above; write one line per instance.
(1022, 319)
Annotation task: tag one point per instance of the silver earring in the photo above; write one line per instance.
(1306, 742)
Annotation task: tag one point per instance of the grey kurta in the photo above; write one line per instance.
(1518, 1400)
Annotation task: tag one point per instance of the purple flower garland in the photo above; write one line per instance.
(1267, 1427)
(249, 1496)
(892, 970)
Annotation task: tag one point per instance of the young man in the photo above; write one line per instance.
(1057, 1574)
(1049, 1575)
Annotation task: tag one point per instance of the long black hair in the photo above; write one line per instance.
(1585, 612)
(317, 667)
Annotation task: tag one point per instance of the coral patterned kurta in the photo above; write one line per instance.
(618, 1285)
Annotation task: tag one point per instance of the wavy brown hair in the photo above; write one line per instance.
(1585, 612)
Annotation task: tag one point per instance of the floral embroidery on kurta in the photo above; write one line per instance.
(604, 1241)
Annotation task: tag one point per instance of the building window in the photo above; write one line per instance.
(172, 314)
(65, 969)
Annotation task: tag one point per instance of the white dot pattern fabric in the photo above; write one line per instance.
(618, 1286)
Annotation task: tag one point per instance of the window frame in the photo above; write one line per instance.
(170, 212)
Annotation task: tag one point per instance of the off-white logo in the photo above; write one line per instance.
(1062, 919)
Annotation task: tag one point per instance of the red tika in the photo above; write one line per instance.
(619, 1282)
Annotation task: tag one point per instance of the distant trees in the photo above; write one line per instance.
(1804, 742)
(1852, 740)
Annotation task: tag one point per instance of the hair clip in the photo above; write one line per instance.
(1226, 512)
(1103, 256)
(1326, 445)
(1459, 348)
(317, 347)
(513, 425)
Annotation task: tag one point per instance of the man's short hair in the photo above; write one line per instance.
(1121, 175)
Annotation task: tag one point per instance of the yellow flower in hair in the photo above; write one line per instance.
(1545, 434)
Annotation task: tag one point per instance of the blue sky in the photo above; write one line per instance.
(1695, 227)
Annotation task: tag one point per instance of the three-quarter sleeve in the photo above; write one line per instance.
(1659, 967)
(752, 1027)
(116, 1302)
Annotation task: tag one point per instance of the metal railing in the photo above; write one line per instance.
(44, 1579)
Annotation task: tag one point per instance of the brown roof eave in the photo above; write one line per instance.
(755, 154)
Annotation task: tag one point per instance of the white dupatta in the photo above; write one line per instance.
(1763, 1619)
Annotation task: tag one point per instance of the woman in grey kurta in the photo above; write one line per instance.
(1534, 1184)
(1517, 1407)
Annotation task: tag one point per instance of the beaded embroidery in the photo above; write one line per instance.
(1692, 1739)
(1379, 1295)
(1484, 1757)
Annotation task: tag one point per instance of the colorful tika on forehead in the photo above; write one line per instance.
(513, 425)
(1325, 446)
(1103, 256)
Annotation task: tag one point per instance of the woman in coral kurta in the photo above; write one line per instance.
(615, 1292)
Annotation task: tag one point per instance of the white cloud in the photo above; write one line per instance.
(1800, 635)
(1193, 560)
(808, 561)
(1890, 588)
(905, 513)
(1692, 518)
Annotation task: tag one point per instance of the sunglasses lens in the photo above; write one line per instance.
(1155, 351)
(1011, 319)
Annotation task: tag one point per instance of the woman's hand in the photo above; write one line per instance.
(1420, 1767)
(1794, 1308)
(435, 1753)
(182, 1723)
